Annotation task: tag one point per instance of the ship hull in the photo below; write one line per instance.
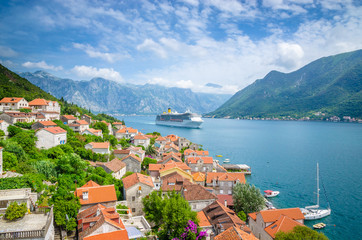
(184, 124)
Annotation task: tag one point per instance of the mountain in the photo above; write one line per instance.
(101, 95)
(330, 85)
(12, 85)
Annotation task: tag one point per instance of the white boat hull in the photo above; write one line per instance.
(273, 194)
(313, 214)
(185, 123)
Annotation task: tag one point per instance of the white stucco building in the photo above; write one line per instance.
(50, 137)
(13, 103)
(98, 147)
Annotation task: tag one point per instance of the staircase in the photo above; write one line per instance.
(57, 235)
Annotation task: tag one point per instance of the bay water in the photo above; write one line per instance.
(283, 156)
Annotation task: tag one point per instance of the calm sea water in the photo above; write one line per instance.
(283, 157)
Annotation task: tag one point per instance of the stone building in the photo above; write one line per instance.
(223, 183)
(200, 164)
(133, 163)
(197, 196)
(43, 124)
(21, 195)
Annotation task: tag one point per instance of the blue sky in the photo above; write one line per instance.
(182, 43)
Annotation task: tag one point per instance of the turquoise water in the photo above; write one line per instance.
(283, 156)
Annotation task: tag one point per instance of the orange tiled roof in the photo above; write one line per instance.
(203, 221)
(120, 234)
(222, 197)
(115, 165)
(283, 224)
(170, 165)
(272, 215)
(69, 117)
(96, 194)
(94, 131)
(121, 151)
(117, 123)
(82, 122)
(107, 123)
(129, 129)
(160, 138)
(253, 215)
(194, 160)
(133, 156)
(172, 137)
(55, 130)
(198, 177)
(202, 153)
(91, 183)
(99, 144)
(188, 151)
(10, 100)
(135, 178)
(233, 233)
(228, 176)
(140, 137)
(197, 192)
(38, 102)
(48, 123)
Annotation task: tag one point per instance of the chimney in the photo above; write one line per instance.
(226, 203)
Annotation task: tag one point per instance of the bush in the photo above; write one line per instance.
(15, 211)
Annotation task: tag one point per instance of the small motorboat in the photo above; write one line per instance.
(219, 155)
(270, 193)
(227, 160)
(319, 225)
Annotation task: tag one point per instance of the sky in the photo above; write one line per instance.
(179, 43)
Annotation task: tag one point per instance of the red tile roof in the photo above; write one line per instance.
(160, 138)
(203, 221)
(82, 122)
(228, 176)
(283, 224)
(69, 117)
(140, 137)
(197, 192)
(272, 215)
(253, 215)
(222, 197)
(129, 129)
(55, 130)
(94, 131)
(170, 165)
(233, 233)
(135, 178)
(102, 145)
(10, 100)
(132, 156)
(121, 151)
(117, 123)
(48, 123)
(38, 102)
(120, 234)
(115, 165)
(194, 160)
(198, 177)
(96, 194)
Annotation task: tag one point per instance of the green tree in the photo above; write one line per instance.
(101, 126)
(146, 162)
(10, 160)
(150, 150)
(242, 216)
(125, 142)
(153, 206)
(45, 167)
(300, 233)
(15, 211)
(26, 140)
(13, 130)
(247, 198)
(2, 133)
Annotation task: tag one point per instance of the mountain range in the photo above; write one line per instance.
(102, 95)
(330, 86)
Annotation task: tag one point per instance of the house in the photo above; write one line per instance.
(174, 182)
(202, 164)
(221, 218)
(50, 137)
(86, 118)
(172, 138)
(92, 131)
(195, 153)
(98, 147)
(141, 140)
(116, 167)
(265, 224)
(21, 195)
(14, 117)
(136, 187)
(43, 124)
(39, 105)
(205, 225)
(50, 115)
(171, 148)
(118, 125)
(121, 153)
(226, 199)
(183, 142)
(199, 178)
(138, 151)
(133, 163)
(170, 157)
(4, 127)
(68, 119)
(13, 103)
(197, 196)
(223, 183)
(92, 193)
(100, 222)
(176, 167)
(194, 146)
(233, 233)
(79, 126)
(155, 169)
(126, 132)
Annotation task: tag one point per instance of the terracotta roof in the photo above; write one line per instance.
(160, 138)
(188, 151)
(69, 117)
(48, 123)
(194, 160)
(170, 165)
(130, 130)
(140, 137)
(120, 234)
(94, 131)
(222, 197)
(135, 178)
(196, 192)
(272, 215)
(38, 102)
(10, 100)
(172, 137)
(91, 183)
(174, 182)
(228, 176)
(99, 144)
(121, 151)
(82, 122)
(203, 221)
(55, 130)
(115, 165)
(283, 224)
(198, 177)
(202, 153)
(96, 194)
(253, 215)
(132, 156)
(117, 123)
(233, 233)
(175, 156)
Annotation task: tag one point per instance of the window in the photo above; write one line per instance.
(133, 199)
(133, 210)
(221, 191)
(229, 192)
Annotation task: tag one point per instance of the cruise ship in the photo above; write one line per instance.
(174, 119)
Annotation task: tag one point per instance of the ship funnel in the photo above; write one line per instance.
(169, 110)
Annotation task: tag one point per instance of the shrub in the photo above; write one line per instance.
(15, 211)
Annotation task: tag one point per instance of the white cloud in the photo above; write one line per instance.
(152, 46)
(42, 65)
(290, 54)
(93, 53)
(92, 72)
(7, 52)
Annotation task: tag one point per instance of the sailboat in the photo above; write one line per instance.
(314, 212)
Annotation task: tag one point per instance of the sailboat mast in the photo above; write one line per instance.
(317, 185)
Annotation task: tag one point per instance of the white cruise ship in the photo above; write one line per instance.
(187, 119)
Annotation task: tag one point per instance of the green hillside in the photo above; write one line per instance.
(331, 85)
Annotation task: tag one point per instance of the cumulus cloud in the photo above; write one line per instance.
(7, 52)
(290, 54)
(42, 65)
(152, 46)
(93, 53)
(93, 72)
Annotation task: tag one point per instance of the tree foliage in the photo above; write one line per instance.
(300, 233)
(146, 162)
(247, 198)
(15, 211)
